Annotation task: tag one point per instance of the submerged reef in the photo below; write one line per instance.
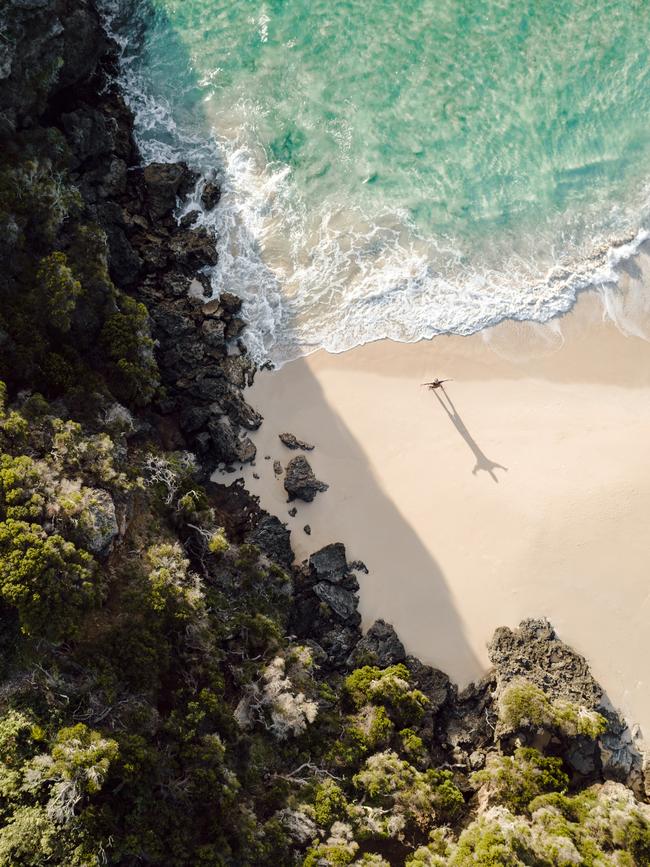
(174, 689)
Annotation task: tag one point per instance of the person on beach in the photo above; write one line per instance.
(437, 383)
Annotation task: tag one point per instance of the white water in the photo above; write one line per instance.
(334, 275)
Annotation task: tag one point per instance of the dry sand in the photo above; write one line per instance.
(524, 491)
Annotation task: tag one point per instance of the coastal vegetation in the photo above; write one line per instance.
(161, 700)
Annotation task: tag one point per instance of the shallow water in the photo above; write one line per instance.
(404, 169)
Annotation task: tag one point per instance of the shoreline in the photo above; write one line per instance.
(453, 554)
(157, 633)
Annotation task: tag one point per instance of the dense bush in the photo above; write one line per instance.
(523, 704)
(47, 579)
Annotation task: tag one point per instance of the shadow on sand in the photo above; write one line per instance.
(405, 586)
(482, 460)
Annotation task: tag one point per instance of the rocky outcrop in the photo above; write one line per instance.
(292, 442)
(300, 482)
(342, 602)
(203, 364)
(325, 606)
(379, 646)
(55, 57)
(164, 184)
(329, 563)
(274, 539)
(211, 195)
(534, 652)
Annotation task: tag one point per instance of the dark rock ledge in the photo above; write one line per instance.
(151, 255)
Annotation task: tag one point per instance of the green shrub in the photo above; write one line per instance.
(47, 579)
(501, 841)
(412, 745)
(421, 798)
(128, 345)
(523, 704)
(21, 496)
(389, 687)
(516, 780)
(60, 289)
(330, 804)
(218, 544)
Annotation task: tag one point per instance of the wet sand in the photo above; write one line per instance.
(522, 490)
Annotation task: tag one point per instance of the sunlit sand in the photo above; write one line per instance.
(522, 489)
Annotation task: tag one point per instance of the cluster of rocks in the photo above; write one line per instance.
(462, 727)
(534, 653)
(202, 360)
(325, 607)
(155, 257)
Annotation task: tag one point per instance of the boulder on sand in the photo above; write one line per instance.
(300, 482)
(292, 442)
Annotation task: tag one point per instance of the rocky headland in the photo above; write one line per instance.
(175, 689)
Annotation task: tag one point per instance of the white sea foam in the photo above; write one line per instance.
(338, 278)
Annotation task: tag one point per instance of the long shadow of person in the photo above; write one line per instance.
(482, 460)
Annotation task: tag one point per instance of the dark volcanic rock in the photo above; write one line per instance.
(274, 539)
(235, 328)
(291, 442)
(338, 642)
(164, 183)
(342, 602)
(300, 482)
(210, 195)
(533, 652)
(435, 684)
(89, 133)
(230, 303)
(189, 219)
(379, 646)
(468, 722)
(227, 443)
(193, 248)
(329, 563)
(85, 43)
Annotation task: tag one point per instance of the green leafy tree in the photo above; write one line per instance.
(21, 494)
(516, 780)
(60, 288)
(46, 578)
(129, 348)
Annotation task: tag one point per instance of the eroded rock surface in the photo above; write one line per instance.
(379, 646)
(300, 482)
(535, 653)
(292, 442)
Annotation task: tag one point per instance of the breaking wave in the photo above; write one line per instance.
(318, 267)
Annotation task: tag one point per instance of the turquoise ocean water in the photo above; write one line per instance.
(401, 169)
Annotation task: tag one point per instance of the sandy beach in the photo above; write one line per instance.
(522, 491)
